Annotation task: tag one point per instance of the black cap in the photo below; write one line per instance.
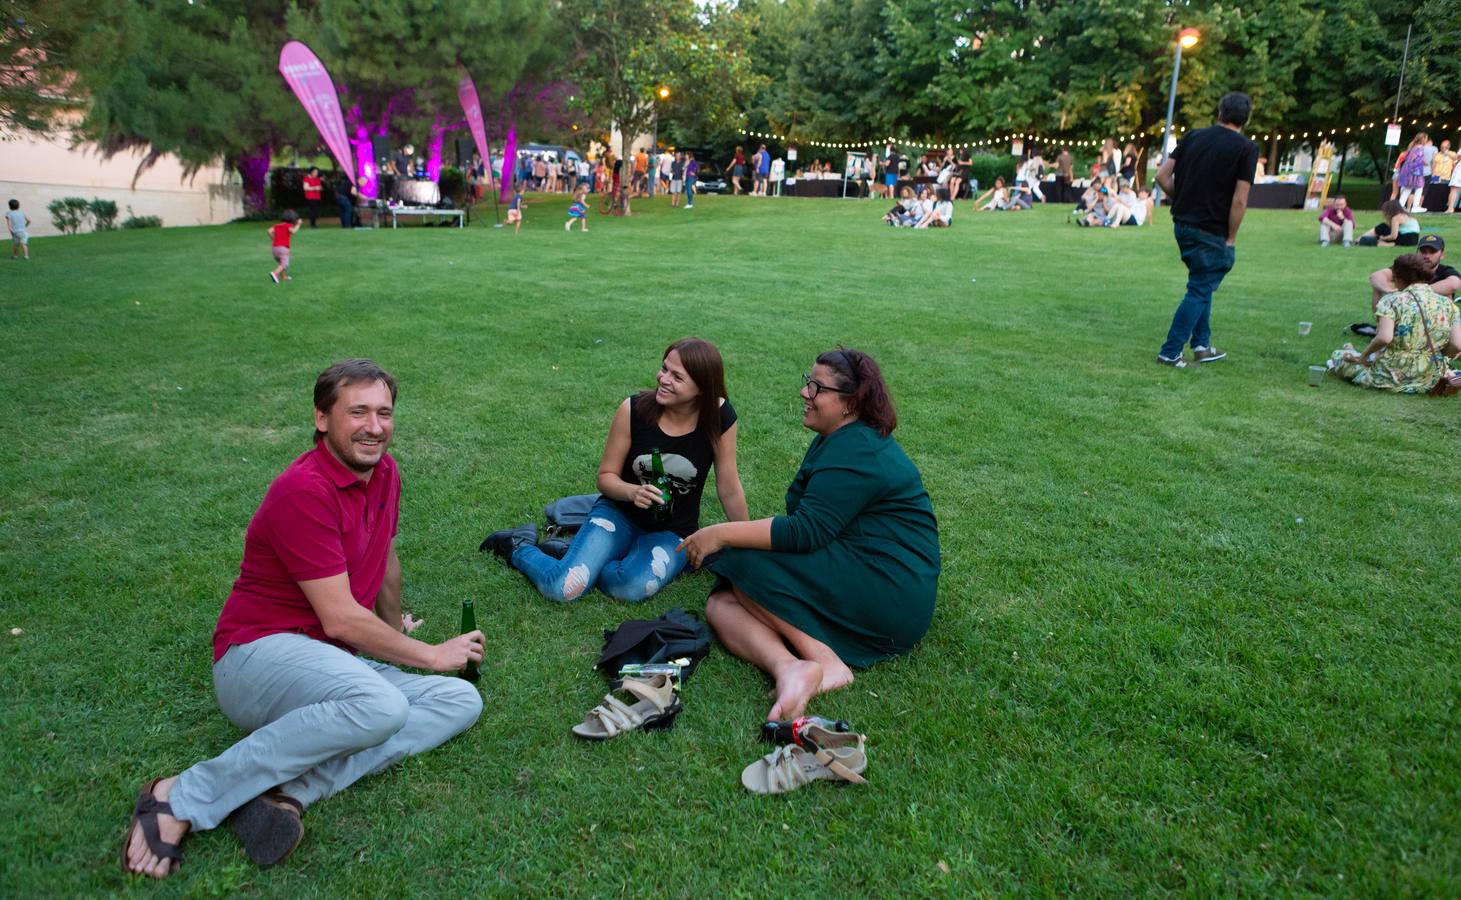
(1431, 242)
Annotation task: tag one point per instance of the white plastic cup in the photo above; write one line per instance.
(1316, 375)
(1304, 328)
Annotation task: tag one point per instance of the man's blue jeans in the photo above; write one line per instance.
(608, 552)
(1208, 258)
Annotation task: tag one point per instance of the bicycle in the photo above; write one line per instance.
(615, 204)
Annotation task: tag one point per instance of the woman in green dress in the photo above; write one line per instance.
(1400, 358)
(848, 576)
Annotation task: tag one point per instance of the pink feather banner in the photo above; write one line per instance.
(311, 83)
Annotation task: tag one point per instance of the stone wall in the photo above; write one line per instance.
(36, 169)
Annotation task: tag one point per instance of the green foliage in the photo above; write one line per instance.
(397, 60)
(133, 222)
(985, 167)
(625, 50)
(946, 69)
(453, 184)
(103, 214)
(68, 214)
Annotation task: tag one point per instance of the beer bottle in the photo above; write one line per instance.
(469, 624)
(660, 511)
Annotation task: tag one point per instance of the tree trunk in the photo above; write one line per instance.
(254, 170)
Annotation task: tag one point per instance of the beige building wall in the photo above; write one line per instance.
(38, 168)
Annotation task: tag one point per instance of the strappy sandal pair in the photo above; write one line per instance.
(268, 826)
(819, 754)
(655, 708)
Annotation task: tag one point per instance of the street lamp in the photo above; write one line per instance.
(1187, 38)
(664, 94)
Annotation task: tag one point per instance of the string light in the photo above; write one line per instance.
(1076, 142)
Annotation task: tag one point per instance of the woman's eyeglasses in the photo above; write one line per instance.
(818, 387)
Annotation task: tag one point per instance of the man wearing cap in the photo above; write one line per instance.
(1444, 279)
(1208, 176)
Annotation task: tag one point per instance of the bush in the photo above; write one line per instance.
(985, 167)
(453, 184)
(132, 222)
(103, 214)
(68, 214)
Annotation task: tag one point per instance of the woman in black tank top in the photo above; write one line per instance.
(627, 547)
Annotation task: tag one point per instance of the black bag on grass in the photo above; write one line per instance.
(673, 635)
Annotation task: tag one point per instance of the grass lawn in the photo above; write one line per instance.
(1196, 630)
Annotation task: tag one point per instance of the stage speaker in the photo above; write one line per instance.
(380, 146)
(466, 146)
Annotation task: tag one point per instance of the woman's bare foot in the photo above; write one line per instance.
(140, 858)
(797, 681)
(835, 676)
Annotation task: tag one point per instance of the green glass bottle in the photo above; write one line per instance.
(661, 511)
(469, 624)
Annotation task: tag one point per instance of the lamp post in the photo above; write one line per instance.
(663, 94)
(1186, 38)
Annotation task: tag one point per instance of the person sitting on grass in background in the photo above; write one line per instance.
(1442, 278)
(940, 215)
(19, 225)
(1000, 198)
(319, 583)
(896, 215)
(1414, 326)
(578, 209)
(281, 233)
(515, 209)
(1127, 208)
(1337, 221)
(627, 547)
(1103, 208)
(1400, 229)
(849, 575)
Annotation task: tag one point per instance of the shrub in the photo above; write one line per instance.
(103, 214)
(985, 167)
(68, 214)
(453, 184)
(141, 221)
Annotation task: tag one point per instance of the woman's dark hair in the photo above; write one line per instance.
(867, 393)
(1390, 209)
(314, 170)
(290, 216)
(1409, 269)
(15, 204)
(348, 371)
(703, 364)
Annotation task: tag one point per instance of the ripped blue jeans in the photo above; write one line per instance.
(610, 553)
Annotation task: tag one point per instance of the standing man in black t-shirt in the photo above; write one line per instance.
(1208, 176)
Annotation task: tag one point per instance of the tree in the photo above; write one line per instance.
(34, 80)
(199, 81)
(395, 62)
(624, 51)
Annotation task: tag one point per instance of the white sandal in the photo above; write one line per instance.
(656, 710)
(835, 756)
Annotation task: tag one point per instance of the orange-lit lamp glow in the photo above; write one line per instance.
(1188, 38)
(664, 92)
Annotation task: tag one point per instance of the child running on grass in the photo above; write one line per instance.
(281, 234)
(578, 209)
(18, 222)
(515, 210)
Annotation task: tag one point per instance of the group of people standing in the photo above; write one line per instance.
(845, 578)
(1422, 163)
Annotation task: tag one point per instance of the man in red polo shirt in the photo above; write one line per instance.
(319, 582)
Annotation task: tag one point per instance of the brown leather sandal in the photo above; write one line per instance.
(268, 826)
(144, 814)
